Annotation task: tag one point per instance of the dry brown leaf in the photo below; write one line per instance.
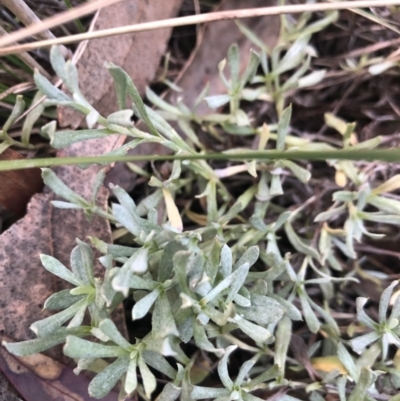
(216, 39)
(7, 392)
(53, 231)
(24, 283)
(38, 377)
(139, 54)
(328, 364)
(299, 349)
(17, 187)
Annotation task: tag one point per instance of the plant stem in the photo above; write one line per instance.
(198, 19)
(387, 155)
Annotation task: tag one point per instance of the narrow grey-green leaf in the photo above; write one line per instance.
(293, 56)
(362, 317)
(290, 309)
(301, 173)
(221, 286)
(242, 300)
(61, 300)
(240, 275)
(32, 117)
(149, 380)
(104, 382)
(201, 340)
(143, 306)
(299, 243)
(72, 82)
(165, 270)
(384, 204)
(395, 313)
(201, 393)
(223, 368)
(158, 362)
(77, 320)
(231, 213)
(170, 392)
(269, 374)
(250, 256)
(62, 139)
(251, 397)
(57, 186)
(244, 371)
(161, 103)
(31, 347)
(226, 261)
(214, 102)
(364, 382)
(82, 262)
(98, 182)
(163, 323)
(234, 64)
(76, 347)
(251, 68)
(213, 260)
(283, 335)
(326, 315)
(126, 219)
(122, 78)
(131, 377)
(58, 62)
(180, 260)
(66, 205)
(311, 79)
(385, 300)
(309, 315)
(120, 281)
(119, 84)
(46, 87)
(124, 199)
(58, 269)
(122, 118)
(317, 26)
(347, 361)
(149, 202)
(257, 333)
(108, 327)
(283, 128)
(47, 326)
(140, 283)
(269, 313)
(252, 36)
(359, 344)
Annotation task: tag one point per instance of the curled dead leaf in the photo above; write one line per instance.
(38, 377)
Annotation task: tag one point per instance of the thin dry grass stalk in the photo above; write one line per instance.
(198, 19)
(27, 58)
(56, 20)
(20, 9)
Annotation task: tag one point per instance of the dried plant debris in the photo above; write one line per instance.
(17, 187)
(222, 34)
(138, 53)
(38, 376)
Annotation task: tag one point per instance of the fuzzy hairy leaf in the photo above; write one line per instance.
(31, 347)
(105, 381)
(76, 347)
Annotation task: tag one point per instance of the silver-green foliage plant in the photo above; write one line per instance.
(225, 286)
